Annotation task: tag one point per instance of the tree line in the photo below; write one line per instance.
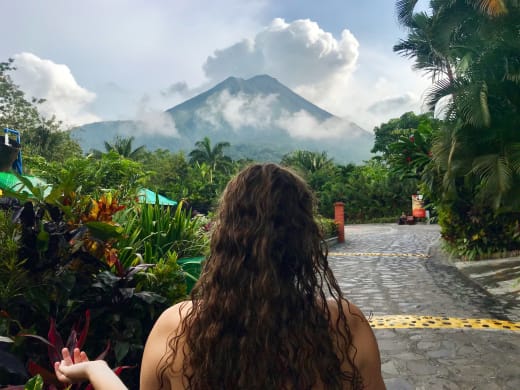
(465, 159)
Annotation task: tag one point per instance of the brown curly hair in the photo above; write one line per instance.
(259, 317)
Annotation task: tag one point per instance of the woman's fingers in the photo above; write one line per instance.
(59, 374)
(67, 359)
(83, 357)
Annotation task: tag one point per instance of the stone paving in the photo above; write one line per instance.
(391, 280)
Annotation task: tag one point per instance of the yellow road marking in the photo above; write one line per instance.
(379, 254)
(423, 322)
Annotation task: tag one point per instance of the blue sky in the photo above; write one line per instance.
(132, 59)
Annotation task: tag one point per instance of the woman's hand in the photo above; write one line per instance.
(77, 368)
(71, 369)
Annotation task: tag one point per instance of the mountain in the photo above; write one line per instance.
(260, 117)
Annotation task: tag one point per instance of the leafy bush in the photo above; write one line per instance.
(328, 226)
(473, 233)
(68, 254)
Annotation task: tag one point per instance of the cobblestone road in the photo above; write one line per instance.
(385, 270)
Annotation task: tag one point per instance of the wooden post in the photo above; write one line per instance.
(339, 218)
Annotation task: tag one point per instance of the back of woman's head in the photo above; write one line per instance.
(260, 318)
(265, 235)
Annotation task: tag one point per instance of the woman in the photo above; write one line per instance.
(267, 312)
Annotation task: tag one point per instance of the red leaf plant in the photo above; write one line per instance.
(54, 341)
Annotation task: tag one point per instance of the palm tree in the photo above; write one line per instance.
(481, 42)
(475, 170)
(306, 161)
(212, 156)
(427, 46)
(123, 147)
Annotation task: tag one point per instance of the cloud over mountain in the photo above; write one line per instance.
(299, 53)
(64, 97)
(259, 116)
(240, 110)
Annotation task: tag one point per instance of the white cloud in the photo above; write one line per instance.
(239, 111)
(152, 121)
(147, 46)
(44, 79)
(262, 112)
(303, 125)
(392, 104)
(180, 87)
(298, 53)
(366, 86)
(373, 93)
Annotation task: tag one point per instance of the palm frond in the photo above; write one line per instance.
(514, 157)
(404, 10)
(512, 69)
(472, 104)
(495, 176)
(439, 90)
(491, 8)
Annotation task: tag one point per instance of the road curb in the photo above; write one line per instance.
(505, 288)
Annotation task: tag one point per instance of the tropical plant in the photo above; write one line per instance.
(167, 172)
(328, 227)
(307, 162)
(411, 153)
(62, 250)
(212, 156)
(473, 54)
(123, 147)
(154, 232)
(90, 176)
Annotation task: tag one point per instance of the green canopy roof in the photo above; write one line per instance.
(148, 196)
(9, 180)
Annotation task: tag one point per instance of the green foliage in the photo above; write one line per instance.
(307, 162)
(374, 192)
(192, 268)
(369, 191)
(212, 156)
(35, 383)
(167, 172)
(166, 278)
(15, 110)
(199, 180)
(471, 50)
(154, 233)
(410, 154)
(396, 128)
(13, 278)
(474, 233)
(49, 142)
(328, 226)
(92, 176)
(66, 253)
(123, 147)
(40, 136)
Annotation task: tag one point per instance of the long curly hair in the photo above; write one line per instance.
(259, 316)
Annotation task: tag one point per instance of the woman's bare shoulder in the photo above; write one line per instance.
(174, 314)
(366, 357)
(168, 325)
(354, 315)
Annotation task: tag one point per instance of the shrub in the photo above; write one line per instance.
(67, 254)
(473, 233)
(328, 226)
